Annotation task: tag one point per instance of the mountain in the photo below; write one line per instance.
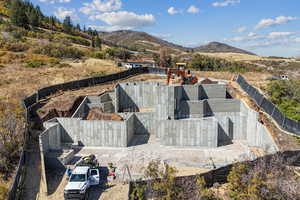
(217, 47)
(139, 41)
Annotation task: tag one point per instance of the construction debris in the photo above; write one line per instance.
(98, 114)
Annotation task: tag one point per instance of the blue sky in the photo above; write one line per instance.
(265, 27)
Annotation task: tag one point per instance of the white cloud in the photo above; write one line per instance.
(108, 28)
(297, 39)
(252, 34)
(62, 12)
(241, 29)
(193, 9)
(275, 35)
(123, 20)
(250, 37)
(225, 3)
(97, 6)
(277, 21)
(162, 35)
(173, 11)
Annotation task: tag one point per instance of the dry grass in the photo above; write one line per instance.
(16, 81)
(239, 57)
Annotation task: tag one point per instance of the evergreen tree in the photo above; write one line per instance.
(98, 42)
(18, 13)
(67, 25)
(95, 33)
(33, 18)
(78, 27)
(93, 42)
(52, 22)
(39, 12)
(90, 31)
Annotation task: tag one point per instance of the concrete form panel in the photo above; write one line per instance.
(212, 91)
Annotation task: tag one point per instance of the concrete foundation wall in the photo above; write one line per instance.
(143, 123)
(256, 134)
(94, 133)
(136, 95)
(130, 124)
(222, 105)
(212, 91)
(191, 109)
(174, 132)
(51, 138)
(82, 109)
(232, 125)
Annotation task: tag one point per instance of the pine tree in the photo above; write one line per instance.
(33, 18)
(90, 31)
(52, 22)
(18, 14)
(67, 25)
(93, 42)
(78, 27)
(98, 43)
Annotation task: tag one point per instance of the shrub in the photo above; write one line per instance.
(59, 51)
(268, 178)
(15, 46)
(11, 137)
(11, 58)
(2, 53)
(206, 63)
(163, 180)
(34, 64)
(98, 54)
(286, 95)
(118, 53)
(3, 191)
(62, 65)
(71, 38)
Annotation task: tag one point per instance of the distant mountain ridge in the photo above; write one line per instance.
(217, 47)
(140, 40)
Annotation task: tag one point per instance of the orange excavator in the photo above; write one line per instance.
(186, 77)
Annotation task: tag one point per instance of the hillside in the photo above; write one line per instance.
(217, 47)
(139, 41)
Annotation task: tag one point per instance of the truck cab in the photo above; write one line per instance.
(79, 183)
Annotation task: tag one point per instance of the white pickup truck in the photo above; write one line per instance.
(80, 181)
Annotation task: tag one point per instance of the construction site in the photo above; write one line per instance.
(194, 126)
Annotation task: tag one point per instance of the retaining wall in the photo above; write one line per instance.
(174, 132)
(82, 109)
(94, 133)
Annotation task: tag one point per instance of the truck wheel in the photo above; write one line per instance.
(86, 196)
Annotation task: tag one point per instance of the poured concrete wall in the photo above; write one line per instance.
(130, 124)
(94, 133)
(82, 109)
(174, 132)
(212, 91)
(232, 125)
(222, 105)
(201, 92)
(256, 134)
(143, 123)
(134, 96)
(51, 138)
(191, 109)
